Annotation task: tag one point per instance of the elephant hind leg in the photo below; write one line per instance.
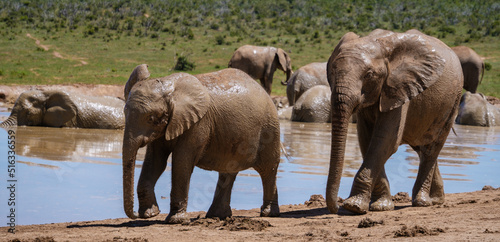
(267, 167)
(428, 187)
(220, 207)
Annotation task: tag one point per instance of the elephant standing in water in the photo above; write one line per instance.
(64, 109)
(472, 67)
(261, 63)
(405, 88)
(304, 78)
(222, 121)
(476, 110)
(313, 106)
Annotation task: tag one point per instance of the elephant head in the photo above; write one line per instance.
(140, 73)
(42, 108)
(285, 64)
(382, 70)
(166, 107)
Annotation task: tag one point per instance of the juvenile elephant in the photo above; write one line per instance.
(261, 63)
(58, 108)
(405, 88)
(313, 106)
(222, 121)
(304, 78)
(472, 67)
(476, 110)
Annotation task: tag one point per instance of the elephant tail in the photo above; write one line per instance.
(284, 151)
(229, 65)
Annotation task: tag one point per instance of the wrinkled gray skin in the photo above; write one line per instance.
(476, 110)
(222, 121)
(472, 67)
(313, 106)
(304, 78)
(261, 63)
(406, 89)
(64, 109)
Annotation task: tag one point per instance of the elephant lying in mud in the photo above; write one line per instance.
(222, 121)
(472, 67)
(261, 63)
(476, 110)
(58, 108)
(304, 78)
(313, 106)
(405, 88)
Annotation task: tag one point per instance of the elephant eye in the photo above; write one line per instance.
(368, 75)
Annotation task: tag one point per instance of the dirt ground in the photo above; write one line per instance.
(472, 216)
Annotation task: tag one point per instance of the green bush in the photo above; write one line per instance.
(183, 64)
(487, 66)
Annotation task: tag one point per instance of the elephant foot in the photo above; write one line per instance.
(382, 204)
(177, 218)
(437, 200)
(149, 212)
(422, 200)
(356, 204)
(221, 212)
(271, 209)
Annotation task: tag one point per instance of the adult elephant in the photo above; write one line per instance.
(405, 88)
(261, 63)
(472, 67)
(57, 108)
(313, 106)
(201, 122)
(476, 110)
(304, 78)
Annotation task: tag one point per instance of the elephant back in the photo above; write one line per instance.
(313, 105)
(99, 112)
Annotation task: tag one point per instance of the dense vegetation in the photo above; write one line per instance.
(102, 41)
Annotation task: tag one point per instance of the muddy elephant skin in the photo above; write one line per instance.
(222, 121)
(56, 108)
(261, 63)
(304, 78)
(405, 88)
(477, 111)
(313, 106)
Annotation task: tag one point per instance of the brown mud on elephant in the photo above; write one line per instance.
(405, 89)
(222, 121)
(261, 63)
(56, 108)
(477, 111)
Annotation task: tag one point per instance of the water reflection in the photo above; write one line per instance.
(75, 174)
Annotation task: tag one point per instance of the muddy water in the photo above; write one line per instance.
(76, 175)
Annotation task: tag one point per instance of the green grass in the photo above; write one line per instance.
(112, 39)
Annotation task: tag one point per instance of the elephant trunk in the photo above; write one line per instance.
(11, 121)
(289, 73)
(342, 109)
(129, 153)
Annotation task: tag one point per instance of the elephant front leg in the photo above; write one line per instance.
(182, 169)
(220, 207)
(154, 164)
(381, 199)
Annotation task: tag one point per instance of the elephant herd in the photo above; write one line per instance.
(404, 88)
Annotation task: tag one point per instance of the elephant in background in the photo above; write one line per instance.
(405, 88)
(313, 106)
(57, 108)
(222, 121)
(261, 63)
(304, 78)
(472, 67)
(476, 110)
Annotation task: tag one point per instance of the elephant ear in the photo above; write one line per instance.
(140, 73)
(189, 102)
(60, 109)
(413, 65)
(282, 59)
